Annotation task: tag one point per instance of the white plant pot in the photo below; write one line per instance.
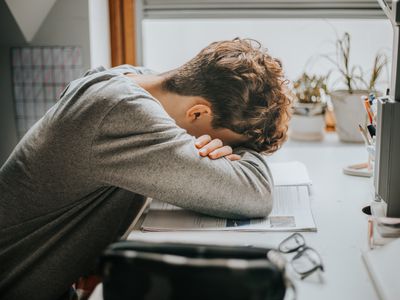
(349, 112)
(307, 128)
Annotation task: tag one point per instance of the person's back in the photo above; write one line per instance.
(70, 186)
(48, 188)
(55, 149)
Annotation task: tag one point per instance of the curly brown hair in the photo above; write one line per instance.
(245, 86)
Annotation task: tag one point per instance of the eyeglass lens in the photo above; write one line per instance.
(292, 243)
(306, 260)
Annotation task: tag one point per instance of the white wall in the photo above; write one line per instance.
(99, 27)
(169, 43)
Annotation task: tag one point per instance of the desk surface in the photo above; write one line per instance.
(342, 227)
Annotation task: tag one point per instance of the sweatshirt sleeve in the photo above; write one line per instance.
(138, 147)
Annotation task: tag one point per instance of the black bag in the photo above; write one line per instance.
(166, 271)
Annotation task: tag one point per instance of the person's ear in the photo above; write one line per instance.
(198, 112)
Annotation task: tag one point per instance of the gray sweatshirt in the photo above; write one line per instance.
(106, 142)
(107, 131)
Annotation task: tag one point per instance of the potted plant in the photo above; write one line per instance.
(348, 106)
(309, 106)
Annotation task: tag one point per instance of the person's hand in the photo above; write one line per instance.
(214, 148)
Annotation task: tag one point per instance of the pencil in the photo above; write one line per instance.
(370, 234)
(368, 109)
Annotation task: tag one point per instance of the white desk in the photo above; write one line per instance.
(342, 227)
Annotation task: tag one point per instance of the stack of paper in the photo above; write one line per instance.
(291, 212)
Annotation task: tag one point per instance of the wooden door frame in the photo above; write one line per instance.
(122, 32)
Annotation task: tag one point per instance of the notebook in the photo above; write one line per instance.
(383, 265)
(290, 173)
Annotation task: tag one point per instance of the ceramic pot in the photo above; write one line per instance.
(307, 128)
(349, 112)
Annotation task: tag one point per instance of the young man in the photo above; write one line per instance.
(117, 136)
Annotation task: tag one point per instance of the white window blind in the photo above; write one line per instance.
(261, 9)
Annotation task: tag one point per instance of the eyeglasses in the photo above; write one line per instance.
(307, 260)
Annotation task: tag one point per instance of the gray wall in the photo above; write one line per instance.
(66, 24)
(10, 35)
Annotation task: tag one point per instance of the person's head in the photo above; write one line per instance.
(238, 89)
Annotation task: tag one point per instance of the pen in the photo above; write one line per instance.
(368, 109)
(371, 130)
(370, 234)
(374, 109)
(364, 134)
(371, 98)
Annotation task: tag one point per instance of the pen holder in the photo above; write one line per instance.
(365, 169)
(371, 155)
(368, 135)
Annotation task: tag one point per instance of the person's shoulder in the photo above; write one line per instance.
(141, 108)
(108, 86)
(99, 91)
(136, 115)
(111, 95)
(134, 69)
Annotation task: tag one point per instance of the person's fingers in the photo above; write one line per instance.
(220, 152)
(202, 140)
(210, 147)
(233, 157)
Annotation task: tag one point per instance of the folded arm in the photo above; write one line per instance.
(138, 147)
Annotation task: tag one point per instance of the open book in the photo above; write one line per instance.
(291, 211)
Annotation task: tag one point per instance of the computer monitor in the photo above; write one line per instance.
(387, 156)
